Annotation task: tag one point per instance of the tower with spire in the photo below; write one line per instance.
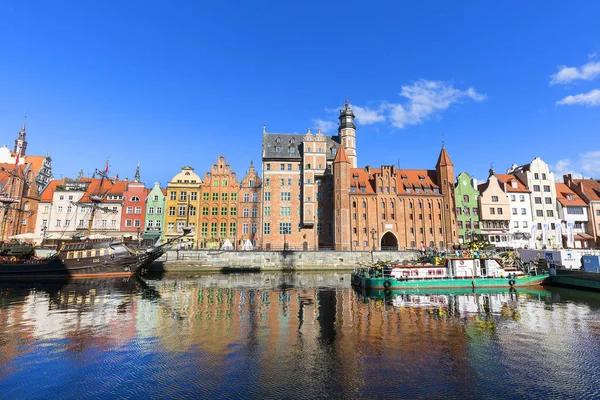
(347, 133)
(136, 177)
(445, 177)
(21, 141)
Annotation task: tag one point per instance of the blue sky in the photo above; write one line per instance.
(180, 83)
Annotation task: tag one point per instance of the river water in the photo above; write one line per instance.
(293, 336)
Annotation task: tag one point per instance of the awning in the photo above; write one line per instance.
(580, 236)
(152, 235)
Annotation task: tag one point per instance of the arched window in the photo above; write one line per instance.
(135, 198)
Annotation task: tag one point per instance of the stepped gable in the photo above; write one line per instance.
(566, 197)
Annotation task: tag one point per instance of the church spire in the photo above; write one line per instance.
(21, 141)
(136, 177)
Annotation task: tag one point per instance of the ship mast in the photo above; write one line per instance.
(97, 198)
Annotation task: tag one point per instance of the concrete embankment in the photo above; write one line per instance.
(217, 260)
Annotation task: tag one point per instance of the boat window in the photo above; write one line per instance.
(88, 253)
(97, 253)
(79, 254)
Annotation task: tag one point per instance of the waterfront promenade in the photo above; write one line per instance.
(215, 260)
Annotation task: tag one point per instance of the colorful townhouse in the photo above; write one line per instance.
(520, 211)
(134, 207)
(181, 207)
(589, 191)
(155, 215)
(573, 215)
(494, 207)
(467, 208)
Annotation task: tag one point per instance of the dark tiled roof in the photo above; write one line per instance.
(287, 140)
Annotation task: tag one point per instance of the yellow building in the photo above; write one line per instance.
(182, 206)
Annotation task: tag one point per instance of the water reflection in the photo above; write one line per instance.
(297, 335)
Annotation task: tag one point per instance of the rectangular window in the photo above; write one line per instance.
(516, 224)
(171, 211)
(246, 197)
(267, 228)
(136, 223)
(539, 213)
(268, 167)
(173, 195)
(285, 228)
(495, 198)
(285, 211)
(205, 210)
(223, 196)
(244, 229)
(513, 197)
(193, 196)
(233, 211)
(523, 211)
(536, 188)
(138, 210)
(267, 196)
(254, 212)
(223, 229)
(550, 213)
(192, 211)
(214, 211)
(129, 210)
(536, 176)
(289, 167)
(537, 200)
(286, 196)
(232, 229)
(181, 211)
(215, 197)
(514, 211)
(267, 211)
(213, 229)
(521, 197)
(150, 210)
(204, 229)
(170, 227)
(524, 224)
(492, 210)
(182, 196)
(223, 211)
(233, 196)
(205, 196)
(245, 212)
(548, 200)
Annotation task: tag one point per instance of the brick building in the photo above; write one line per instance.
(18, 200)
(390, 208)
(298, 185)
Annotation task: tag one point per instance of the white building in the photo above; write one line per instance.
(538, 179)
(64, 210)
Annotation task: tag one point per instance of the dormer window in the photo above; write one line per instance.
(514, 184)
(278, 148)
(292, 141)
(569, 197)
(292, 149)
(333, 150)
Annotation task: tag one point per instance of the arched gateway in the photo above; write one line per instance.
(389, 242)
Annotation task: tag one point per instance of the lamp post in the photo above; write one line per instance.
(43, 236)
(373, 232)
(139, 239)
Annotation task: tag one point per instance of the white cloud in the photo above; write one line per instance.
(590, 163)
(367, 116)
(592, 55)
(325, 126)
(586, 72)
(587, 99)
(427, 98)
(587, 165)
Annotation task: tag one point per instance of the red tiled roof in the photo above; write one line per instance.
(590, 188)
(562, 195)
(37, 162)
(405, 178)
(93, 188)
(508, 180)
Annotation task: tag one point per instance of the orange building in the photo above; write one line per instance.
(226, 206)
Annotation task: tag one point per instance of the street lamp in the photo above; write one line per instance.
(138, 236)
(43, 236)
(373, 231)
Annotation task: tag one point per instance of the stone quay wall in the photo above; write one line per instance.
(213, 260)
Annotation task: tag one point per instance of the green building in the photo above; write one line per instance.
(155, 215)
(467, 212)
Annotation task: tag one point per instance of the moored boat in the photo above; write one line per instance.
(452, 273)
(587, 277)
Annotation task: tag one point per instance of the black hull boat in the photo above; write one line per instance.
(92, 258)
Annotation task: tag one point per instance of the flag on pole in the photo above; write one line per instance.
(106, 168)
(17, 159)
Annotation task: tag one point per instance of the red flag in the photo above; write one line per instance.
(17, 159)
(106, 168)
